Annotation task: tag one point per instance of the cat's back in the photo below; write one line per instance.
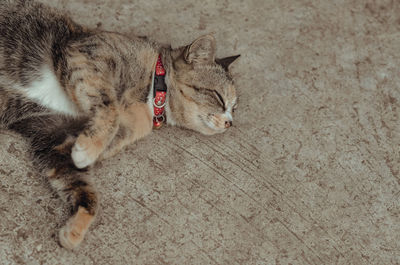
(44, 55)
(31, 34)
(33, 39)
(26, 21)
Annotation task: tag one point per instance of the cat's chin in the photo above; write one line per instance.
(206, 130)
(207, 127)
(210, 132)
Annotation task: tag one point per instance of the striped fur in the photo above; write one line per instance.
(79, 95)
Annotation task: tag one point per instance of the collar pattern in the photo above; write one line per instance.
(159, 94)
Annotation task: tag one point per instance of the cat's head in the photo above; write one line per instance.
(203, 97)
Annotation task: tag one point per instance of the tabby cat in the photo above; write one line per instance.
(80, 95)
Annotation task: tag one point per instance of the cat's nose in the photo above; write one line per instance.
(228, 124)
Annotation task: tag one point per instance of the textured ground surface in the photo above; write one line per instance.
(308, 175)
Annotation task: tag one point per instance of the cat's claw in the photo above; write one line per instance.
(81, 157)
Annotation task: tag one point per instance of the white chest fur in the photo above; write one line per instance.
(47, 91)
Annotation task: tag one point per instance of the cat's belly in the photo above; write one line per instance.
(47, 91)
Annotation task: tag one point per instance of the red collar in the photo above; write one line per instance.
(159, 94)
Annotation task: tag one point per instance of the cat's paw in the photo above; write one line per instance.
(69, 238)
(82, 156)
(72, 234)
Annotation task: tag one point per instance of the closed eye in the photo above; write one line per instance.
(208, 91)
(193, 87)
(220, 99)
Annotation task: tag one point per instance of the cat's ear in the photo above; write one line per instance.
(226, 62)
(201, 51)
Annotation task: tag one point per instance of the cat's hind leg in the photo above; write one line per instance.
(52, 138)
(14, 107)
(75, 188)
(71, 184)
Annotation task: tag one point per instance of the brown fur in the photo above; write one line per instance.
(80, 95)
(75, 229)
(136, 122)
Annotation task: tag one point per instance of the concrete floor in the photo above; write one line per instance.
(308, 175)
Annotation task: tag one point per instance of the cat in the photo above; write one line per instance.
(80, 95)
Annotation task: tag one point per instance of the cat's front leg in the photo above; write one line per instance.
(93, 140)
(99, 131)
(135, 122)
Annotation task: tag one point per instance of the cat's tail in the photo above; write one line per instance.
(52, 138)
